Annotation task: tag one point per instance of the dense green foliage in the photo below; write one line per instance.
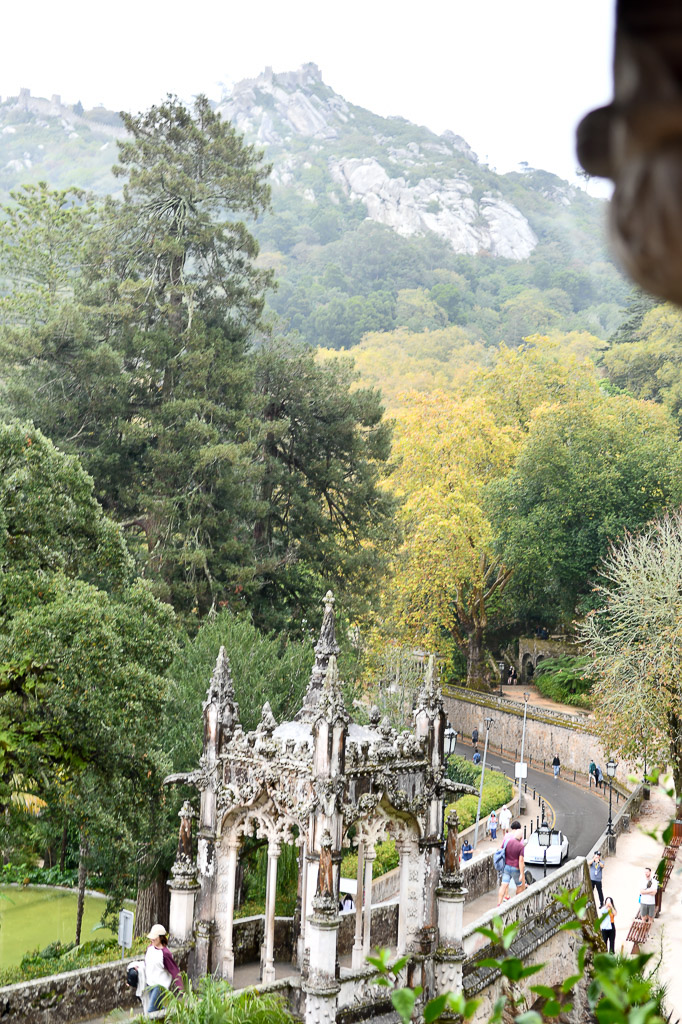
(566, 680)
(386, 859)
(215, 1002)
(497, 791)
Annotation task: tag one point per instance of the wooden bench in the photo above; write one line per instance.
(639, 932)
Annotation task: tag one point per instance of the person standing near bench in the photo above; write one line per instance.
(607, 915)
(647, 895)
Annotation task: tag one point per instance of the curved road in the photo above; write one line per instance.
(579, 813)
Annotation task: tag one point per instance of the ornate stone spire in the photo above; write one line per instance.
(331, 704)
(325, 648)
(221, 693)
(429, 697)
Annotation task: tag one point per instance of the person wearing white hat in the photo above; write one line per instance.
(160, 967)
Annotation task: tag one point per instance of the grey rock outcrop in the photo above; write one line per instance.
(446, 207)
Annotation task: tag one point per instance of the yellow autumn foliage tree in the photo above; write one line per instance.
(446, 571)
(402, 361)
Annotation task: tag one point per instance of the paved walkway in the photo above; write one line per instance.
(538, 700)
(624, 877)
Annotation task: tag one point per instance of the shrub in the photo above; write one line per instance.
(386, 859)
(497, 790)
(215, 1002)
(565, 680)
(460, 770)
(24, 874)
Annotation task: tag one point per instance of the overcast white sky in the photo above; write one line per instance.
(513, 78)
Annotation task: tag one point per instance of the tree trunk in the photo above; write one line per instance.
(476, 660)
(82, 874)
(62, 852)
(153, 905)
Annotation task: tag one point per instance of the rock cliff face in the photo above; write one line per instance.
(445, 207)
(414, 182)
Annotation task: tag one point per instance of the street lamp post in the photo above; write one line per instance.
(526, 696)
(544, 834)
(500, 666)
(610, 771)
(488, 723)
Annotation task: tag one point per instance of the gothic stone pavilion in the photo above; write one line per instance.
(317, 781)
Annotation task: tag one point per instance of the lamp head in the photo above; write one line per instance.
(611, 769)
(488, 723)
(544, 834)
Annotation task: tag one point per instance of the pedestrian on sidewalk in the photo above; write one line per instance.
(600, 777)
(477, 757)
(607, 916)
(492, 825)
(592, 772)
(556, 765)
(647, 894)
(474, 736)
(514, 868)
(596, 869)
(467, 850)
(504, 819)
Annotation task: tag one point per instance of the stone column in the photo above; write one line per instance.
(450, 908)
(270, 896)
(303, 887)
(231, 872)
(370, 855)
(358, 957)
(183, 883)
(320, 986)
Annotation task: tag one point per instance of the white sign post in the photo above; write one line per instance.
(125, 931)
(521, 770)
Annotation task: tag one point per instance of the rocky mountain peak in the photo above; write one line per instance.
(274, 107)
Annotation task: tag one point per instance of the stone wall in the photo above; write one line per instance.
(384, 931)
(74, 996)
(540, 940)
(548, 732)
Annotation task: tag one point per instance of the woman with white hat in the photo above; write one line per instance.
(160, 968)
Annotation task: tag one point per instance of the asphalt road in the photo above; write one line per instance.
(578, 812)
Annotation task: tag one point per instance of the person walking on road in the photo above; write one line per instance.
(477, 757)
(596, 869)
(556, 765)
(474, 736)
(592, 771)
(514, 868)
(504, 818)
(647, 894)
(607, 916)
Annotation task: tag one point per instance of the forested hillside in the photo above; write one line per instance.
(375, 223)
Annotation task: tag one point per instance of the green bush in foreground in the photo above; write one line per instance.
(215, 1002)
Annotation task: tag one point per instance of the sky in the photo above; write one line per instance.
(513, 79)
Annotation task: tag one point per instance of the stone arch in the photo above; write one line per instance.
(527, 667)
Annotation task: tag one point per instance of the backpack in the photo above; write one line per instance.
(499, 860)
(132, 976)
